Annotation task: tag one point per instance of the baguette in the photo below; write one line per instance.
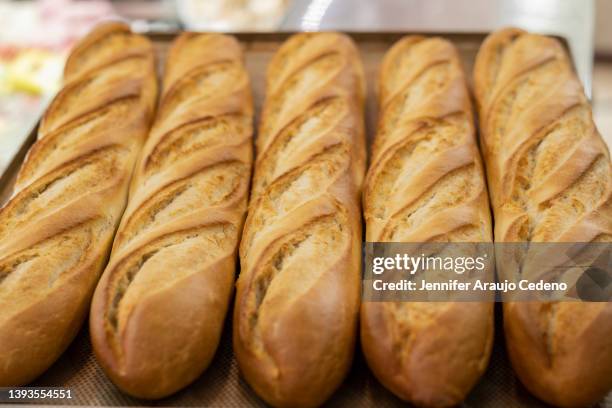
(426, 184)
(158, 312)
(551, 181)
(56, 230)
(298, 292)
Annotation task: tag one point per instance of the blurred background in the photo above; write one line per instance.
(35, 36)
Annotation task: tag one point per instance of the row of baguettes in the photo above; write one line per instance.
(159, 309)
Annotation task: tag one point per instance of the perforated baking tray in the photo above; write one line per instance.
(221, 385)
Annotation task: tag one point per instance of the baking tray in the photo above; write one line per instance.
(221, 385)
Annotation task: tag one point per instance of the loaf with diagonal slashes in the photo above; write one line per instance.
(159, 309)
(426, 184)
(550, 180)
(57, 229)
(299, 287)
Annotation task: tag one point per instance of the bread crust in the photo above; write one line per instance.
(56, 230)
(158, 312)
(297, 300)
(550, 180)
(425, 163)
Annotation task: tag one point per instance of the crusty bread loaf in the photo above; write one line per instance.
(426, 184)
(551, 181)
(159, 309)
(57, 229)
(298, 291)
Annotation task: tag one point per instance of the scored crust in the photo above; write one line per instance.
(550, 180)
(57, 229)
(159, 310)
(426, 184)
(298, 291)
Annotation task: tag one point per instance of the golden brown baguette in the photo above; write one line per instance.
(426, 184)
(298, 291)
(57, 229)
(159, 309)
(550, 180)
